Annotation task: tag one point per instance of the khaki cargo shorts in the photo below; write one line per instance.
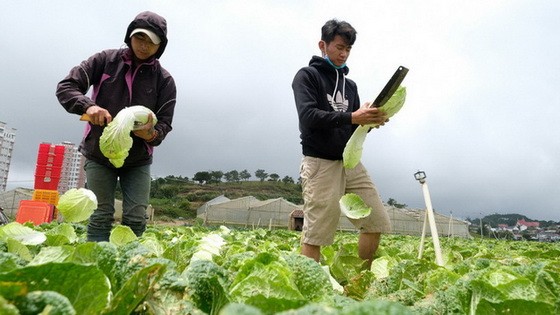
(324, 182)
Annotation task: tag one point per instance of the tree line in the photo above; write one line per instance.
(214, 177)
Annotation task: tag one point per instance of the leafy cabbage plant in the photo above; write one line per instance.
(122, 235)
(335, 285)
(354, 207)
(115, 142)
(209, 246)
(207, 284)
(21, 233)
(353, 151)
(77, 205)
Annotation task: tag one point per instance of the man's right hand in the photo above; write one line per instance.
(369, 116)
(98, 115)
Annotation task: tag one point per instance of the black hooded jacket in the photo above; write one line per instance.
(325, 100)
(116, 85)
(152, 22)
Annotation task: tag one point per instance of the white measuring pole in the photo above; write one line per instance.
(421, 249)
(450, 228)
(432, 222)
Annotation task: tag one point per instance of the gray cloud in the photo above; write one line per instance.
(480, 117)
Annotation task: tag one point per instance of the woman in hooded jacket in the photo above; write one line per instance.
(121, 78)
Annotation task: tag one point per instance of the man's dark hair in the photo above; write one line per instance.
(335, 27)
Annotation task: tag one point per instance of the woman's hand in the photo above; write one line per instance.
(98, 115)
(147, 131)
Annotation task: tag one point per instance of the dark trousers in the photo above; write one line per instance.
(135, 185)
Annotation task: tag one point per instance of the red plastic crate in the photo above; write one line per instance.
(35, 211)
(51, 148)
(50, 159)
(46, 183)
(48, 171)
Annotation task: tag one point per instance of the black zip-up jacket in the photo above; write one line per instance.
(325, 117)
(116, 86)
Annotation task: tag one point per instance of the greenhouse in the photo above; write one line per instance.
(247, 211)
(10, 200)
(279, 213)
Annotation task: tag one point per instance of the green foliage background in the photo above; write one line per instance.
(174, 197)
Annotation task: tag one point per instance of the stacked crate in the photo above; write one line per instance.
(42, 206)
(36, 212)
(49, 166)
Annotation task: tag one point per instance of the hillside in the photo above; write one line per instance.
(494, 220)
(173, 198)
(260, 190)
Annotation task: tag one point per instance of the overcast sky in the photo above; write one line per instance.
(481, 116)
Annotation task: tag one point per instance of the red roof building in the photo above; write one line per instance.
(528, 224)
(502, 227)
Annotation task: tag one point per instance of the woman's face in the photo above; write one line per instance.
(142, 46)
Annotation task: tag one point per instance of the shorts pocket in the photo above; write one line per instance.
(309, 167)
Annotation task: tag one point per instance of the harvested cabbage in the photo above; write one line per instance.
(77, 205)
(395, 103)
(115, 142)
(353, 151)
(354, 207)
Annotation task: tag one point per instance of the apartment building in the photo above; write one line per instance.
(72, 173)
(7, 139)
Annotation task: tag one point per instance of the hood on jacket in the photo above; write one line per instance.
(153, 22)
(321, 63)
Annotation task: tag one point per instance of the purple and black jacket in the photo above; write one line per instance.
(117, 85)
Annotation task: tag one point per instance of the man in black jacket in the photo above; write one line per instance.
(329, 111)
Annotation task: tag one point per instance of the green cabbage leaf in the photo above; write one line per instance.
(77, 205)
(122, 235)
(353, 151)
(22, 234)
(354, 207)
(116, 141)
(209, 246)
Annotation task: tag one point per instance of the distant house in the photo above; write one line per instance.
(548, 236)
(502, 227)
(523, 225)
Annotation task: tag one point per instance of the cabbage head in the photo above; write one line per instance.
(77, 205)
(353, 151)
(116, 141)
(122, 235)
(309, 277)
(354, 207)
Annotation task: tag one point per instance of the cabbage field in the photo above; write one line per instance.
(51, 269)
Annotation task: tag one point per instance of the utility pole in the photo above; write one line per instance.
(480, 219)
